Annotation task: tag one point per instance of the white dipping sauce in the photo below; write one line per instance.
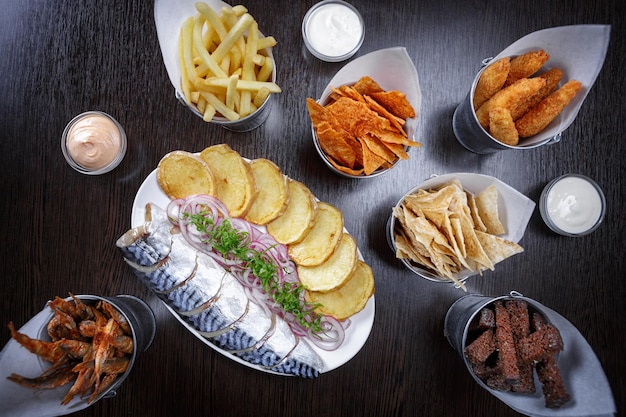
(574, 204)
(334, 29)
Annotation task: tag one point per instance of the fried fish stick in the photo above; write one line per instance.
(553, 78)
(491, 80)
(525, 65)
(509, 98)
(547, 110)
(502, 127)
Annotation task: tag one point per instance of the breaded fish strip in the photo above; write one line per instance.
(491, 80)
(525, 65)
(502, 127)
(553, 78)
(509, 98)
(547, 110)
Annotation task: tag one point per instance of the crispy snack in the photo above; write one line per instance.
(348, 299)
(487, 206)
(224, 62)
(334, 272)
(436, 230)
(521, 345)
(272, 192)
(547, 110)
(299, 216)
(509, 98)
(491, 81)
(361, 129)
(235, 186)
(181, 174)
(525, 65)
(91, 357)
(321, 240)
(502, 127)
(396, 103)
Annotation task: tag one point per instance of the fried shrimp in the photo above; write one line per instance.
(547, 110)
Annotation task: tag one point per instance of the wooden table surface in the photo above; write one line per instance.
(59, 227)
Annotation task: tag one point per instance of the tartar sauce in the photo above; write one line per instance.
(334, 29)
(94, 141)
(574, 204)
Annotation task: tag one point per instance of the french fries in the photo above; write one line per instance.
(512, 101)
(225, 68)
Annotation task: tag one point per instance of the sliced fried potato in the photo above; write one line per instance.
(320, 242)
(234, 181)
(299, 216)
(348, 299)
(181, 174)
(272, 192)
(335, 271)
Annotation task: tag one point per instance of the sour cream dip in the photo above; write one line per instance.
(572, 205)
(333, 30)
(93, 143)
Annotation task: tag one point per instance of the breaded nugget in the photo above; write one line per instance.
(509, 98)
(525, 65)
(536, 119)
(491, 80)
(553, 78)
(502, 126)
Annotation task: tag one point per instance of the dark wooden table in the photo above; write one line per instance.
(58, 230)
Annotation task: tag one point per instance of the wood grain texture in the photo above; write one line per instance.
(58, 230)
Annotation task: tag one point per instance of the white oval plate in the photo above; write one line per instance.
(356, 334)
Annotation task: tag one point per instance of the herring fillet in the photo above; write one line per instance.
(211, 300)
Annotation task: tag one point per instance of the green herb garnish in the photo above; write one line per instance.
(233, 244)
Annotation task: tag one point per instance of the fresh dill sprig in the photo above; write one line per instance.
(234, 244)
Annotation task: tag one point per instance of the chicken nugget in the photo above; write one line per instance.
(553, 78)
(502, 127)
(509, 98)
(547, 110)
(491, 80)
(525, 65)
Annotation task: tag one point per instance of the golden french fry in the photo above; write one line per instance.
(231, 92)
(224, 63)
(209, 113)
(266, 70)
(261, 96)
(220, 106)
(242, 84)
(232, 36)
